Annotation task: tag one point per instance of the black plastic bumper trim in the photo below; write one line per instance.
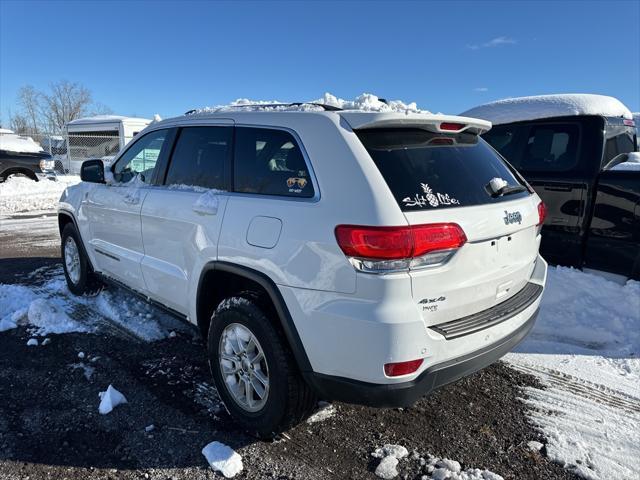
(407, 393)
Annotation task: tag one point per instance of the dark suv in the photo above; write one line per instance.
(593, 207)
(34, 165)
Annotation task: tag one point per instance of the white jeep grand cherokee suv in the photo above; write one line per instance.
(346, 255)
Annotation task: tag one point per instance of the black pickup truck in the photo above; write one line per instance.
(593, 217)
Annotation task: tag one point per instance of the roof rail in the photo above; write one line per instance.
(328, 108)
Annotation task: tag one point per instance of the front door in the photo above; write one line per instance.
(113, 211)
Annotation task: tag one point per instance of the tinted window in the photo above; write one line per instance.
(141, 157)
(426, 170)
(270, 162)
(199, 157)
(550, 148)
(503, 139)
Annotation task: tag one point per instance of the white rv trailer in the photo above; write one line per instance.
(101, 136)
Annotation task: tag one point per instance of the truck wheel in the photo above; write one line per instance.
(254, 371)
(80, 277)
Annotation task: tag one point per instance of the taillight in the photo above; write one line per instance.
(384, 249)
(452, 127)
(401, 368)
(542, 213)
(629, 123)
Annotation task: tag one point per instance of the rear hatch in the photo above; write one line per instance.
(455, 177)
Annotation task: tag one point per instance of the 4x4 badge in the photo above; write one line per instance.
(512, 217)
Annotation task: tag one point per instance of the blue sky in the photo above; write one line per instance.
(168, 57)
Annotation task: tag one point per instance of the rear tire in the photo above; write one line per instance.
(80, 277)
(288, 398)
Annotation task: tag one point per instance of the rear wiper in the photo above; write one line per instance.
(509, 189)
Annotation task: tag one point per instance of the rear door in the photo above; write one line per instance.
(439, 178)
(613, 242)
(182, 216)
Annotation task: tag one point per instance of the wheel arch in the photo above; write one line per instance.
(218, 280)
(19, 170)
(65, 218)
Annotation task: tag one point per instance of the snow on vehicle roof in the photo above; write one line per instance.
(107, 119)
(520, 109)
(16, 143)
(366, 102)
(4, 131)
(365, 111)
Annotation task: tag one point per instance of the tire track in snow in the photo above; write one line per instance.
(593, 391)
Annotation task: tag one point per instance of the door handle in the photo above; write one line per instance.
(558, 188)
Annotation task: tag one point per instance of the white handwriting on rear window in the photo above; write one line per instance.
(428, 197)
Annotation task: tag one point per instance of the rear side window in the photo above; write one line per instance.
(504, 139)
(199, 157)
(551, 148)
(619, 139)
(270, 162)
(426, 170)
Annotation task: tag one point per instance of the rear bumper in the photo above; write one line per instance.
(407, 393)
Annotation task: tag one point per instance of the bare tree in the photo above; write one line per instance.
(99, 108)
(67, 101)
(50, 112)
(29, 101)
(18, 123)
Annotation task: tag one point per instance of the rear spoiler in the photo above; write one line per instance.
(432, 123)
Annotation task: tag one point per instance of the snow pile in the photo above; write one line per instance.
(207, 203)
(48, 318)
(18, 143)
(223, 459)
(547, 106)
(365, 102)
(325, 412)
(443, 468)
(390, 455)
(369, 103)
(51, 308)
(584, 313)
(21, 194)
(110, 399)
(32, 342)
(585, 348)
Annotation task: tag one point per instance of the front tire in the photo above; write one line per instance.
(254, 370)
(77, 271)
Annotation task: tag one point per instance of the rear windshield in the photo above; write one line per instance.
(427, 170)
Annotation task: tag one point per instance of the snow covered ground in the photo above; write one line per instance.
(20, 194)
(49, 308)
(585, 348)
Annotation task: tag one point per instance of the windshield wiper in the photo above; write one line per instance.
(509, 189)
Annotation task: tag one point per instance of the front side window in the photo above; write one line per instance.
(551, 148)
(270, 162)
(199, 157)
(426, 170)
(140, 159)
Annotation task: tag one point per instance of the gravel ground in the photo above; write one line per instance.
(50, 426)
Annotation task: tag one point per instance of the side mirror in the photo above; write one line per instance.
(92, 171)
